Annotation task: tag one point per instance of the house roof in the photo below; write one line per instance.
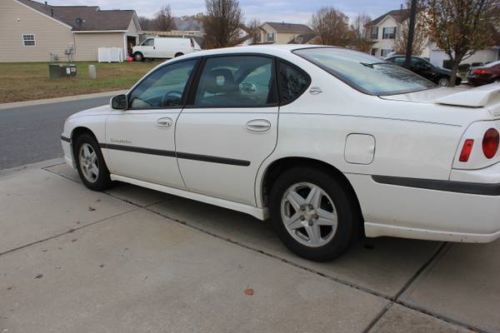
(290, 28)
(399, 15)
(85, 18)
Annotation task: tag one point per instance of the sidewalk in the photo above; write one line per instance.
(135, 260)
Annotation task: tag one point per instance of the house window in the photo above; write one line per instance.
(374, 51)
(389, 33)
(385, 52)
(374, 33)
(270, 37)
(29, 40)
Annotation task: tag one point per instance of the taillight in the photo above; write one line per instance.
(466, 150)
(490, 143)
(481, 72)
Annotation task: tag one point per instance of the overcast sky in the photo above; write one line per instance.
(297, 11)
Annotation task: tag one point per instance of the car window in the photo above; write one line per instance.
(419, 63)
(236, 81)
(292, 82)
(149, 42)
(364, 72)
(163, 88)
(399, 61)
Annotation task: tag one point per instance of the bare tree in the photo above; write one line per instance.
(254, 30)
(420, 36)
(461, 27)
(332, 26)
(164, 20)
(358, 39)
(146, 23)
(222, 23)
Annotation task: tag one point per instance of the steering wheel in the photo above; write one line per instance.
(170, 97)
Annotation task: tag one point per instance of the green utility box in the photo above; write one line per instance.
(57, 71)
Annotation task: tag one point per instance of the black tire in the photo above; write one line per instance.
(102, 181)
(138, 56)
(178, 54)
(348, 219)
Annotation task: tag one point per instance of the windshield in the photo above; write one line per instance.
(364, 72)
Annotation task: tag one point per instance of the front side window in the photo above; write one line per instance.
(164, 88)
(237, 81)
(149, 42)
(29, 40)
(292, 82)
(389, 33)
(364, 72)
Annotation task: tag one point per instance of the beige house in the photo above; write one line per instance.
(32, 31)
(281, 33)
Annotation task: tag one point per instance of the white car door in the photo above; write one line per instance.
(148, 48)
(230, 127)
(140, 141)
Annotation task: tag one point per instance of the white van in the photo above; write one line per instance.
(164, 47)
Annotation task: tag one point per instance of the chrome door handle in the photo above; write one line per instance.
(164, 122)
(259, 125)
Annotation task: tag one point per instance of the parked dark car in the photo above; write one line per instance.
(485, 74)
(424, 68)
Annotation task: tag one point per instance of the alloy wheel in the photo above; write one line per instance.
(309, 214)
(89, 163)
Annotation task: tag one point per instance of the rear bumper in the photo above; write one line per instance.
(454, 211)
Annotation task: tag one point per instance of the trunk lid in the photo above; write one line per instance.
(487, 96)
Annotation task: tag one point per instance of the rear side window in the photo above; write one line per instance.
(292, 82)
(237, 81)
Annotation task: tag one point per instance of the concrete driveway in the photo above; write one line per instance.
(134, 260)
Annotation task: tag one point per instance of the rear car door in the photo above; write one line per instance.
(230, 126)
(140, 141)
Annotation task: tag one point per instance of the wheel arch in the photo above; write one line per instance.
(76, 132)
(278, 166)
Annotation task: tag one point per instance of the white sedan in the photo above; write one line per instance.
(329, 143)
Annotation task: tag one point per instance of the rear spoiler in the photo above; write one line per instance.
(473, 98)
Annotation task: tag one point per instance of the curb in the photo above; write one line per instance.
(12, 105)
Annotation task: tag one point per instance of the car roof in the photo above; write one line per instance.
(491, 64)
(264, 48)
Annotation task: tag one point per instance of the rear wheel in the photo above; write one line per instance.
(444, 82)
(312, 213)
(90, 163)
(178, 54)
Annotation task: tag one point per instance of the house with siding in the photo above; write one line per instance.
(281, 33)
(32, 31)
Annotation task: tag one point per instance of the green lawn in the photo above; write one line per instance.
(29, 81)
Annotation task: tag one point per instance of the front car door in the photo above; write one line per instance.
(148, 48)
(230, 127)
(140, 141)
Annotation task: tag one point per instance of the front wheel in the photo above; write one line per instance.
(138, 57)
(178, 54)
(444, 82)
(90, 163)
(313, 213)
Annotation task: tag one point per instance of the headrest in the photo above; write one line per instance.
(220, 81)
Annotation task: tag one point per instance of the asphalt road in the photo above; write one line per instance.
(31, 134)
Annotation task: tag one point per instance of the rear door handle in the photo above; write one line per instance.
(164, 122)
(259, 125)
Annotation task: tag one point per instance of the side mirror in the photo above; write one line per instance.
(119, 102)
